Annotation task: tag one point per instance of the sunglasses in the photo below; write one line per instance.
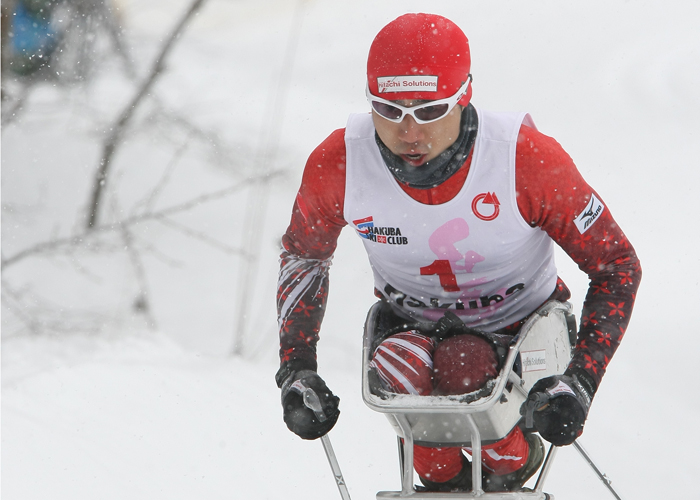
(423, 113)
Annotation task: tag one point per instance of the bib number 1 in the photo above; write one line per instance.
(443, 270)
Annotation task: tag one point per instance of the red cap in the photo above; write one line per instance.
(419, 56)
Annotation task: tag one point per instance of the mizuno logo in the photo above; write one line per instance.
(590, 214)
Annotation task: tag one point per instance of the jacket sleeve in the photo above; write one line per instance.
(308, 247)
(553, 195)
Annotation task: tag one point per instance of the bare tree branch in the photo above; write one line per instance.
(200, 236)
(38, 314)
(142, 304)
(152, 197)
(208, 197)
(11, 300)
(113, 141)
(55, 244)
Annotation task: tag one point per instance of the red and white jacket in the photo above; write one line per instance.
(550, 194)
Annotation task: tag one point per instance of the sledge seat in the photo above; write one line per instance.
(542, 348)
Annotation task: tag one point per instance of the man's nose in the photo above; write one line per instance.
(409, 130)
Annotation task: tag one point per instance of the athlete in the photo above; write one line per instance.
(459, 209)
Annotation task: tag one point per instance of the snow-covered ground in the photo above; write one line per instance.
(98, 405)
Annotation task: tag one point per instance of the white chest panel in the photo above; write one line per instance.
(474, 255)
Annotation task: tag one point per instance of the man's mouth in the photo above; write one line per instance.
(414, 159)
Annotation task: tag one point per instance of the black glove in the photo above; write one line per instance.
(557, 406)
(303, 392)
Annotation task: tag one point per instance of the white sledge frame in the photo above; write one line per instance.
(413, 417)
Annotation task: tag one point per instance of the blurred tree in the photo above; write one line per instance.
(114, 138)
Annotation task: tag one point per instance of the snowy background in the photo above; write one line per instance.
(102, 399)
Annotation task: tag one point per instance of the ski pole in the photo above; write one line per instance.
(314, 404)
(606, 481)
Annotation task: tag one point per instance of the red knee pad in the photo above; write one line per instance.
(463, 364)
(404, 363)
(437, 464)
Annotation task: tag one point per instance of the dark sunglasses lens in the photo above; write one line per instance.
(387, 110)
(432, 112)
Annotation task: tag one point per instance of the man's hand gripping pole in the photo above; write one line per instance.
(312, 402)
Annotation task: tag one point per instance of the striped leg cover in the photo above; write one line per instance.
(404, 363)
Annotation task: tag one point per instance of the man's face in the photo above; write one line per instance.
(414, 143)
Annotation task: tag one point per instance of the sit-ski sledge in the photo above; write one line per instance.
(543, 347)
